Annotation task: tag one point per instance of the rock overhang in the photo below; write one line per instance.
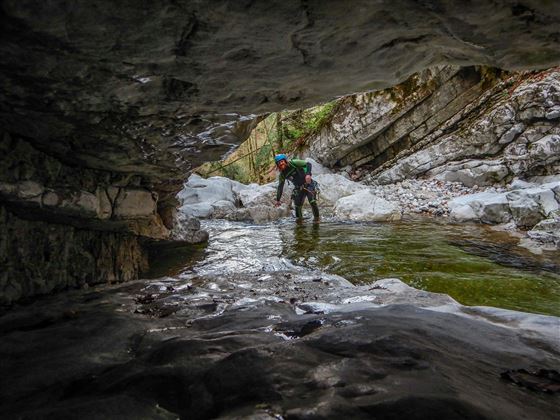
(147, 82)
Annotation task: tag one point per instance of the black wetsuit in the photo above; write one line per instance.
(295, 173)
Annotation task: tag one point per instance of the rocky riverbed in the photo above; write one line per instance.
(530, 210)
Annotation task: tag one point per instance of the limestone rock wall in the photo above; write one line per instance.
(478, 126)
(374, 127)
(38, 257)
(513, 132)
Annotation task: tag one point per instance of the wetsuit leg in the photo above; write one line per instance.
(312, 197)
(299, 196)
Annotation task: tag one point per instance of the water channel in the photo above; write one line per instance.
(472, 263)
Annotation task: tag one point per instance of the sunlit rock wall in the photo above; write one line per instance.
(474, 125)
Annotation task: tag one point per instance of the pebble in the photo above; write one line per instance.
(426, 196)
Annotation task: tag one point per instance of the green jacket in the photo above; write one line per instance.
(295, 173)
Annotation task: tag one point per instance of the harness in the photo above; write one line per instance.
(312, 188)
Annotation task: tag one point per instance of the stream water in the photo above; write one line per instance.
(472, 263)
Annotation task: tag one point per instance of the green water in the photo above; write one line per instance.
(471, 263)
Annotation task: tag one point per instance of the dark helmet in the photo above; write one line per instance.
(280, 157)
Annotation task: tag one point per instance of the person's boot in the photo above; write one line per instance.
(299, 213)
(315, 210)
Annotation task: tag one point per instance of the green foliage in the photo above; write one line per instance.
(233, 171)
(303, 123)
(288, 131)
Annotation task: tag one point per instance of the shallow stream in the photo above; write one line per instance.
(472, 263)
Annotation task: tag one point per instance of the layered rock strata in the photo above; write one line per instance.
(513, 132)
(477, 126)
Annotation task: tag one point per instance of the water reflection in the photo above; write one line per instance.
(429, 256)
(306, 237)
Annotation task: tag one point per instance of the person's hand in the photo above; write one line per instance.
(308, 179)
(277, 203)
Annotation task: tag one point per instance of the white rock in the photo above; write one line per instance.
(317, 168)
(365, 206)
(546, 150)
(518, 184)
(462, 213)
(333, 187)
(261, 214)
(472, 173)
(198, 190)
(221, 209)
(525, 211)
(547, 232)
(545, 179)
(254, 194)
(488, 207)
(544, 196)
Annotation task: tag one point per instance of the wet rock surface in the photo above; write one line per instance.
(222, 198)
(267, 344)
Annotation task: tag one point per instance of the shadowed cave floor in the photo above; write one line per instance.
(263, 345)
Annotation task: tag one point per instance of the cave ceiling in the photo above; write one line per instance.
(154, 88)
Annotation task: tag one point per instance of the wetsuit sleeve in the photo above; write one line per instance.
(280, 188)
(308, 168)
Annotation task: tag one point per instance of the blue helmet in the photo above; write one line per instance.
(280, 157)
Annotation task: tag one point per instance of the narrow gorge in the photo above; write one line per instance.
(145, 271)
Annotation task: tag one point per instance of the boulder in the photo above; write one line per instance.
(198, 189)
(471, 173)
(200, 197)
(221, 209)
(223, 198)
(187, 229)
(547, 232)
(488, 207)
(519, 184)
(317, 168)
(365, 206)
(260, 213)
(493, 209)
(546, 150)
(333, 187)
(543, 195)
(462, 212)
(263, 195)
(525, 211)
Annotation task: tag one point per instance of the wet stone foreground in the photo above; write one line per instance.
(286, 344)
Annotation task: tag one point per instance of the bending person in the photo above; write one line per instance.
(298, 172)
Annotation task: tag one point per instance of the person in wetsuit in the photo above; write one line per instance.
(298, 172)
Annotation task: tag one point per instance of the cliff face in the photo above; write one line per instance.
(478, 126)
(106, 106)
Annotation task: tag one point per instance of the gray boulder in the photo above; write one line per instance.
(223, 198)
(334, 187)
(365, 206)
(547, 232)
(472, 172)
(199, 195)
(486, 206)
(525, 211)
(525, 206)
